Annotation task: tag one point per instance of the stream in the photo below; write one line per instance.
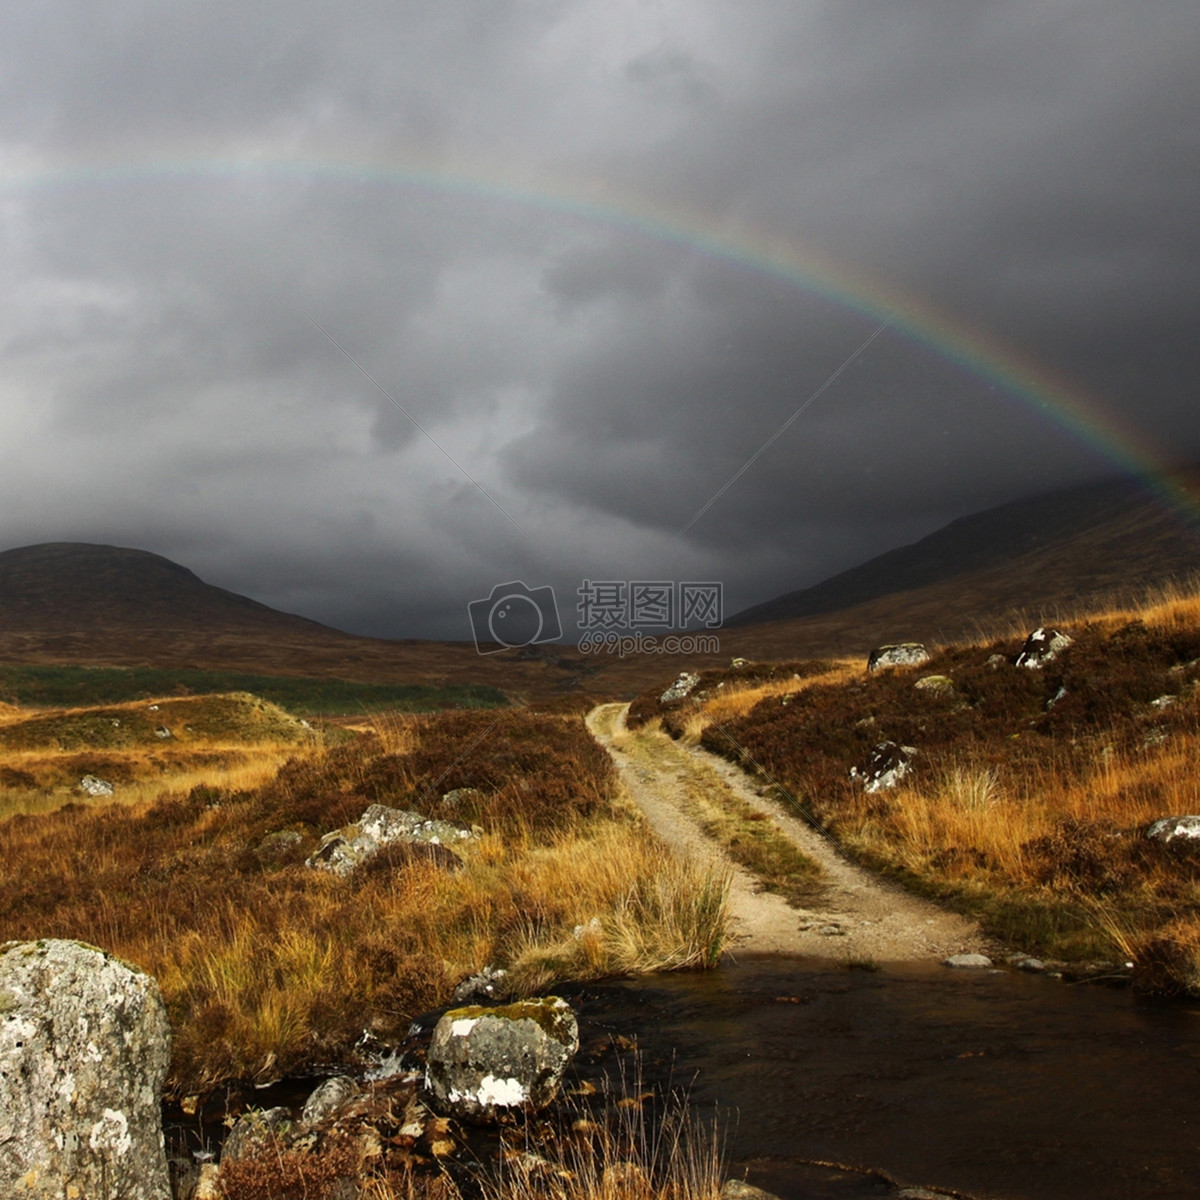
(994, 1083)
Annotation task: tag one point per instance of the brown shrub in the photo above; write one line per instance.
(280, 1173)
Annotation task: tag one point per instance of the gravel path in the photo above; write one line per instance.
(855, 916)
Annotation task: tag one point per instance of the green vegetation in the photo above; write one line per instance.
(61, 687)
(747, 835)
(232, 719)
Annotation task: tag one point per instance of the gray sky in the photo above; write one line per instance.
(463, 195)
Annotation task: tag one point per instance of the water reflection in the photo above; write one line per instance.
(1000, 1084)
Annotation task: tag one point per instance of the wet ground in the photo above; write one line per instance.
(991, 1083)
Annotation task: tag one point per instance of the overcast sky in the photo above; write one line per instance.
(463, 194)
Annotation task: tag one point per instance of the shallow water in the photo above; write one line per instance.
(992, 1083)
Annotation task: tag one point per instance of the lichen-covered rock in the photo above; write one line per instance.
(486, 985)
(343, 850)
(1170, 829)
(937, 685)
(459, 796)
(91, 785)
(1042, 646)
(885, 766)
(680, 688)
(902, 654)
(326, 1099)
(84, 1049)
(485, 1061)
(279, 847)
(256, 1132)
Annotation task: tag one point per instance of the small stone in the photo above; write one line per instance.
(1043, 645)
(968, 962)
(1022, 962)
(1170, 829)
(162, 732)
(93, 786)
(680, 688)
(901, 654)
(739, 1189)
(996, 661)
(326, 1099)
(831, 931)
(885, 766)
(938, 684)
(486, 985)
(256, 1132)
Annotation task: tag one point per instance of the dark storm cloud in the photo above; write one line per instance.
(584, 386)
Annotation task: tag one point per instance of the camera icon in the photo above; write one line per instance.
(514, 616)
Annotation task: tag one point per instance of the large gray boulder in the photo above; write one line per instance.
(84, 1049)
(1043, 645)
(902, 654)
(486, 1061)
(380, 826)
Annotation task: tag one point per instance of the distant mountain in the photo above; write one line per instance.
(1049, 558)
(1054, 549)
(69, 587)
(72, 603)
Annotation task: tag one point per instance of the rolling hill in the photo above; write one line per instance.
(1053, 556)
(1047, 552)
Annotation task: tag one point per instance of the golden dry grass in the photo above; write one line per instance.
(735, 699)
(267, 965)
(235, 742)
(1031, 793)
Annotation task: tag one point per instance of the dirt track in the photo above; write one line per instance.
(855, 916)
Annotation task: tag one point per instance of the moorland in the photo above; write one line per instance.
(174, 759)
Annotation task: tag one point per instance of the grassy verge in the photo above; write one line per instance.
(746, 834)
(62, 687)
(268, 966)
(1031, 791)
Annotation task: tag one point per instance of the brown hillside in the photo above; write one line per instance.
(1060, 554)
(66, 587)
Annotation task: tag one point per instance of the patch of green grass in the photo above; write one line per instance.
(240, 717)
(753, 842)
(747, 835)
(65, 687)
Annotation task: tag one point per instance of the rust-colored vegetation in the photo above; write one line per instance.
(1031, 792)
(268, 965)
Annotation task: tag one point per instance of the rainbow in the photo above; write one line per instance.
(1083, 417)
